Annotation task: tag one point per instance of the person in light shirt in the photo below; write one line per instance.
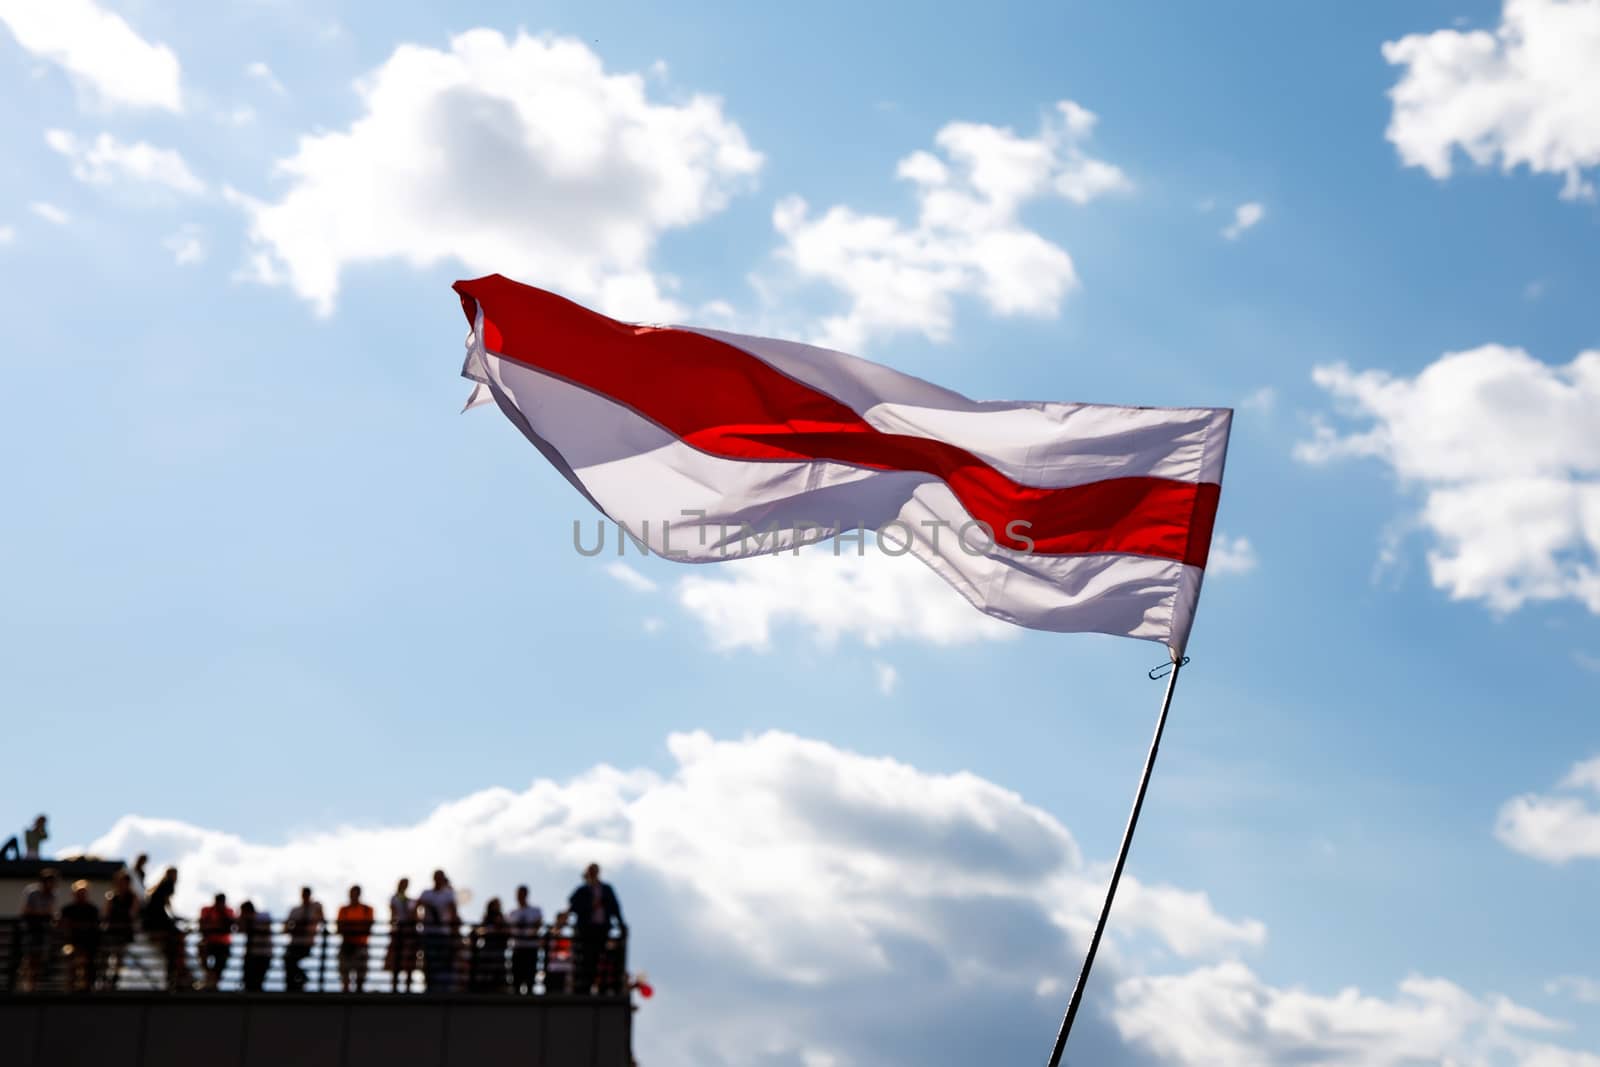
(440, 923)
(526, 920)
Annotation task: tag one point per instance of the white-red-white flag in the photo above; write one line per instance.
(709, 446)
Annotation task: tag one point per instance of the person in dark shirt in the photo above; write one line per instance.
(594, 908)
(488, 973)
(122, 911)
(161, 926)
(256, 929)
(80, 937)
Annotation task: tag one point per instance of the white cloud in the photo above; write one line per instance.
(1506, 452)
(263, 74)
(521, 156)
(1586, 661)
(7, 234)
(187, 245)
(1226, 1014)
(50, 213)
(1578, 987)
(1555, 827)
(968, 237)
(1231, 555)
(1520, 96)
(885, 677)
(781, 892)
(98, 50)
(1244, 217)
(107, 160)
(874, 598)
(630, 577)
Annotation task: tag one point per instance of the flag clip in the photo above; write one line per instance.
(1157, 673)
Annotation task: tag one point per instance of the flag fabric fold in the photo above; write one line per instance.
(706, 446)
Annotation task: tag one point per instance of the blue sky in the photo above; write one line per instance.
(263, 580)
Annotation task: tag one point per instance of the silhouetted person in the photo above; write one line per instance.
(594, 907)
(38, 915)
(525, 920)
(256, 929)
(216, 938)
(489, 950)
(161, 927)
(33, 838)
(80, 936)
(302, 926)
(400, 959)
(354, 923)
(121, 915)
(440, 923)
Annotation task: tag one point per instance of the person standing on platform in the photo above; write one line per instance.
(216, 938)
(441, 921)
(400, 959)
(161, 927)
(526, 920)
(256, 928)
(38, 916)
(594, 907)
(80, 935)
(302, 926)
(121, 915)
(354, 923)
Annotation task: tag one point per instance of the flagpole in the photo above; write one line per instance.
(1116, 872)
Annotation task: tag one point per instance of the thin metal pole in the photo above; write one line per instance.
(1116, 873)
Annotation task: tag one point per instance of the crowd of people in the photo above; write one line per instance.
(429, 943)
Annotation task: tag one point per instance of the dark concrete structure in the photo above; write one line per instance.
(314, 1030)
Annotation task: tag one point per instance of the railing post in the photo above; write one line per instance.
(322, 961)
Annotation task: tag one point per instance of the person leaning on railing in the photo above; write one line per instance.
(302, 926)
(256, 929)
(161, 926)
(216, 938)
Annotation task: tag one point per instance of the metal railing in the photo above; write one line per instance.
(407, 958)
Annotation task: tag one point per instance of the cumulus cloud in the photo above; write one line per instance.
(795, 903)
(1231, 555)
(968, 238)
(1225, 1014)
(1244, 217)
(1505, 451)
(1556, 827)
(874, 598)
(102, 54)
(522, 156)
(106, 160)
(1520, 96)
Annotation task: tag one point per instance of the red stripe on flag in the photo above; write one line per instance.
(728, 403)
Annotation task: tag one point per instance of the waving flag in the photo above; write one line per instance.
(710, 446)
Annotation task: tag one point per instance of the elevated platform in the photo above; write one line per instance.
(232, 1029)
